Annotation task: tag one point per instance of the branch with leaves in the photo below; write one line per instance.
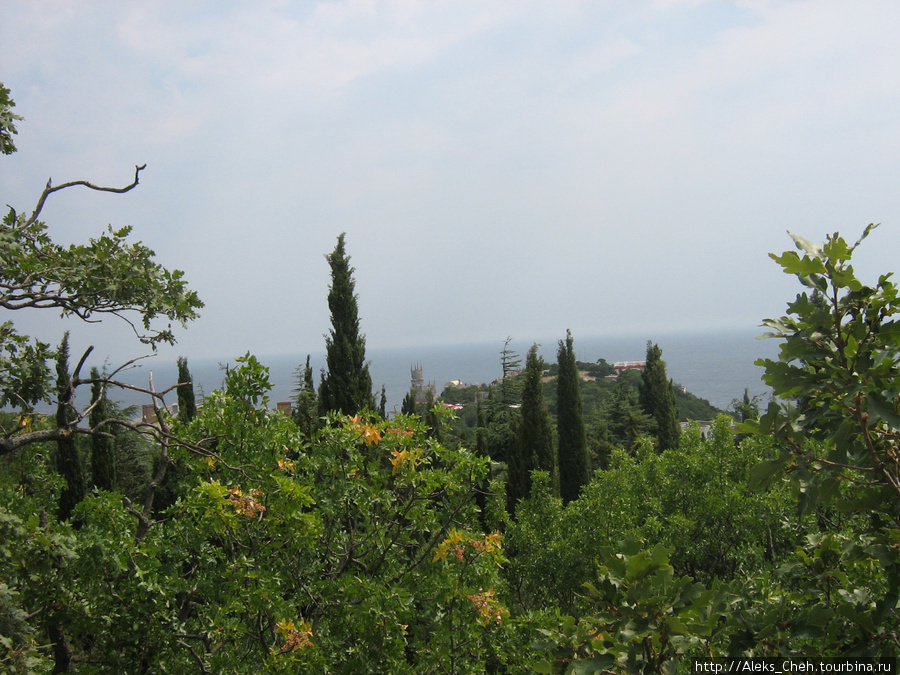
(836, 378)
(109, 275)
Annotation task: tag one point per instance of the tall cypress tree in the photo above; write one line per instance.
(535, 434)
(68, 462)
(187, 403)
(347, 385)
(103, 447)
(574, 463)
(657, 397)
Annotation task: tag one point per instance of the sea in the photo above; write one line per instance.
(717, 366)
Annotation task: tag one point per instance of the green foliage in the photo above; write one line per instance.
(306, 406)
(835, 596)
(574, 464)
(103, 445)
(691, 407)
(546, 570)
(346, 386)
(68, 462)
(373, 508)
(408, 405)
(614, 418)
(534, 449)
(644, 618)
(836, 420)
(106, 276)
(657, 398)
(837, 375)
(187, 403)
(32, 555)
(351, 551)
(23, 368)
(235, 540)
(7, 121)
(693, 499)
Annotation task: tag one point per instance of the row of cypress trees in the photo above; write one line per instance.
(530, 438)
(532, 448)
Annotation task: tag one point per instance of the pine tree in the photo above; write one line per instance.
(103, 446)
(535, 434)
(574, 463)
(510, 385)
(346, 386)
(187, 403)
(657, 397)
(68, 462)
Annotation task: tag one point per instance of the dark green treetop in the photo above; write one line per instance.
(187, 403)
(346, 386)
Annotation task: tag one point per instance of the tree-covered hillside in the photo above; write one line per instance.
(231, 538)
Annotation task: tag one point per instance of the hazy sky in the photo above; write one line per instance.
(501, 168)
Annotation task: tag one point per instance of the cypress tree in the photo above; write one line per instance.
(656, 395)
(103, 447)
(481, 451)
(518, 465)
(187, 404)
(347, 385)
(408, 406)
(480, 445)
(574, 464)
(68, 463)
(305, 412)
(535, 434)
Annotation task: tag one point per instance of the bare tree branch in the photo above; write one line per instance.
(49, 190)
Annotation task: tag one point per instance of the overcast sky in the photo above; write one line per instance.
(501, 168)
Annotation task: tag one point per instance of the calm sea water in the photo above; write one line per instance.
(714, 366)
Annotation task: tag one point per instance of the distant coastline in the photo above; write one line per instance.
(716, 366)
